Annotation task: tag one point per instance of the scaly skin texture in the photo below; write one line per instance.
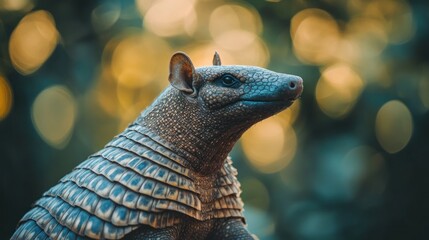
(168, 175)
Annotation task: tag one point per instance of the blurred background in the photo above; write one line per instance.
(350, 160)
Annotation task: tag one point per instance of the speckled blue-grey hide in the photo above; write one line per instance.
(168, 175)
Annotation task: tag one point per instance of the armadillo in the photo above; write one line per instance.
(168, 174)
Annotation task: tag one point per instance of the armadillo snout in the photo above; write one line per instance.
(295, 86)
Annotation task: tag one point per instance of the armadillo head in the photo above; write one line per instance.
(233, 95)
(207, 109)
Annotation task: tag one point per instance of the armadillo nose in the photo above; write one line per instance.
(292, 85)
(296, 86)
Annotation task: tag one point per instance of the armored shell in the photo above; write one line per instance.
(135, 179)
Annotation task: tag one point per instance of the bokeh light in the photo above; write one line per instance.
(33, 41)
(235, 39)
(16, 5)
(6, 98)
(233, 17)
(168, 18)
(368, 36)
(315, 36)
(287, 117)
(105, 93)
(133, 57)
(269, 145)
(53, 114)
(246, 48)
(393, 126)
(235, 32)
(338, 89)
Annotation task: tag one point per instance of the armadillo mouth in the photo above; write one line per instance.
(268, 103)
(267, 100)
(270, 99)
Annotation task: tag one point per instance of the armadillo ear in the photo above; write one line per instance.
(216, 59)
(182, 72)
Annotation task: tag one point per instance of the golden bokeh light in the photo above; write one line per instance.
(235, 32)
(338, 90)
(255, 193)
(315, 35)
(16, 5)
(33, 41)
(348, 50)
(105, 93)
(269, 145)
(136, 60)
(6, 98)
(235, 39)
(168, 18)
(256, 54)
(287, 117)
(368, 35)
(53, 114)
(393, 126)
(234, 17)
(253, 52)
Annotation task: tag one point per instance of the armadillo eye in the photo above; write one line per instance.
(228, 80)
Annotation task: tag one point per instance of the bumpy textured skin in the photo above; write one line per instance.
(168, 175)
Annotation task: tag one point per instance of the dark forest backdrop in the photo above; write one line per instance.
(350, 160)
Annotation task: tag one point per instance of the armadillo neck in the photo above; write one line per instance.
(190, 131)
